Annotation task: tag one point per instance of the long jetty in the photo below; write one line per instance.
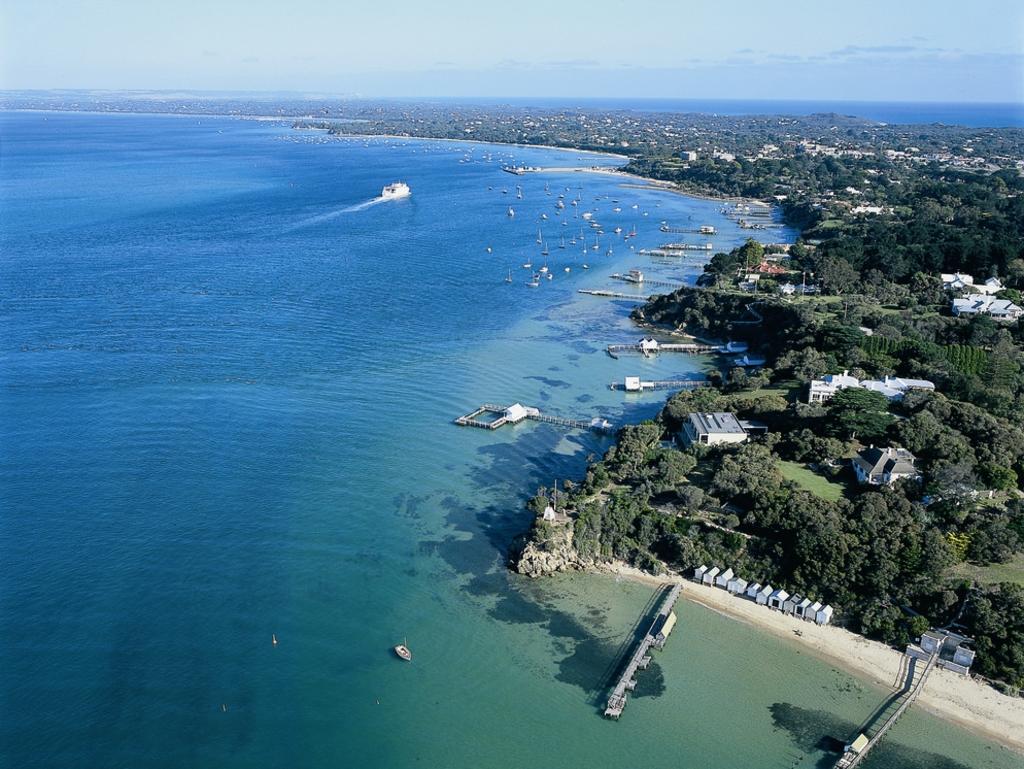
(647, 350)
(704, 230)
(686, 247)
(641, 658)
(638, 281)
(515, 413)
(912, 686)
(659, 384)
(613, 294)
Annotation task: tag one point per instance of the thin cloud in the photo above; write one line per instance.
(855, 50)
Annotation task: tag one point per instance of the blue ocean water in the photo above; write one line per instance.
(227, 380)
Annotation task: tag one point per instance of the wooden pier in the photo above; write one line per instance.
(896, 706)
(641, 658)
(662, 253)
(613, 294)
(636, 385)
(686, 247)
(638, 280)
(516, 413)
(702, 230)
(646, 349)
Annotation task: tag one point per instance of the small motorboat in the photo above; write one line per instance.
(403, 652)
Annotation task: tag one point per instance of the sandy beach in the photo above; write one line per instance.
(969, 703)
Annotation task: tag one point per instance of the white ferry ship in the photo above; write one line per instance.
(396, 190)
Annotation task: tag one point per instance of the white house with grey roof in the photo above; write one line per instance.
(998, 309)
(892, 387)
(823, 389)
(712, 429)
(884, 466)
(959, 281)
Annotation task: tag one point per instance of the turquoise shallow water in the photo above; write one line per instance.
(227, 392)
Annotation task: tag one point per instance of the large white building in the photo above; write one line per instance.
(959, 281)
(999, 309)
(892, 387)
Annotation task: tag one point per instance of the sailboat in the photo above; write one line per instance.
(509, 278)
(519, 192)
(402, 650)
(597, 244)
(511, 212)
(544, 251)
(539, 238)
(561, 243)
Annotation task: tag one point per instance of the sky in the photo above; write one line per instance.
(869, 50)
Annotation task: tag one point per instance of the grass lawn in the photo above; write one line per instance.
(807, 479)
(1011, 571)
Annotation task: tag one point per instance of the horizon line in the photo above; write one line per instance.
(423, 98)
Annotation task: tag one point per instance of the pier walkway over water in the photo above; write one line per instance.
(637, 278)
(634, 384)
(641, 658)
(648, 347)
(612, 294)
(516, 413)
(874, 729)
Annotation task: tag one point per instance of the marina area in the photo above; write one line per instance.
(259, 394)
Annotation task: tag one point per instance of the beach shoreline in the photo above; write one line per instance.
(968, 703)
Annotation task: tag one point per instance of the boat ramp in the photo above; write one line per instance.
(517, 412)
(640, 659)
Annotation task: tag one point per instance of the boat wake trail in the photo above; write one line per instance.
(320, 218)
